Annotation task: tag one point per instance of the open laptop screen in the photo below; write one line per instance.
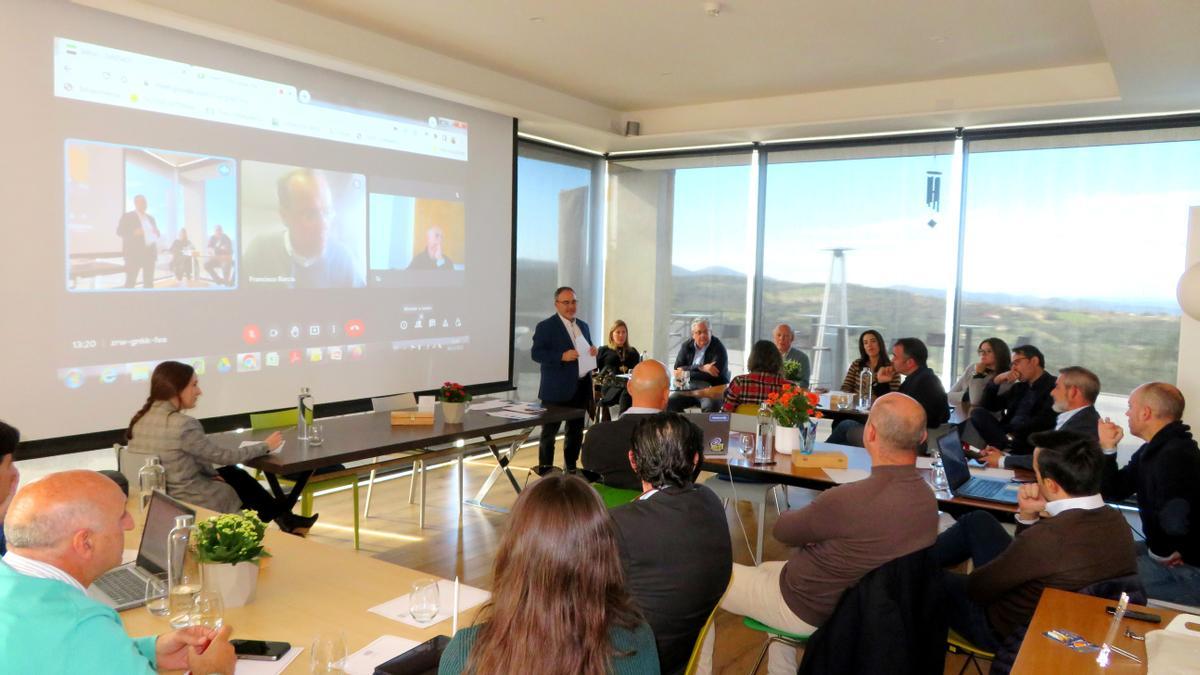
(953, 460)
(160, 518)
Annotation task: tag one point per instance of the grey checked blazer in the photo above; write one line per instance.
(188, 456)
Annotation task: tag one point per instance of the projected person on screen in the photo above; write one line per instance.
(139, 243)
(432, 258)
(220, 252)
(181, 260)
(303, 255)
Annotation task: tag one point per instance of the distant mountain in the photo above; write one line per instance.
(1148, 306)
(717, 271)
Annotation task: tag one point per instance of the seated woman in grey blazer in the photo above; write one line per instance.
(161, 428)
(994, 358)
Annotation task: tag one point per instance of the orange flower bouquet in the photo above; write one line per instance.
(793, 406)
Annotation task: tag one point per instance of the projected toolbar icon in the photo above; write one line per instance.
(354, 328)
(251, 334)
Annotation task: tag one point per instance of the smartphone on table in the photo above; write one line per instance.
(260, 650)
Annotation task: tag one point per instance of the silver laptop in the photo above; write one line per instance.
(125, 586)
(963, 484)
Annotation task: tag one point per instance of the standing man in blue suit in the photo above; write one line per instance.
(557, 342)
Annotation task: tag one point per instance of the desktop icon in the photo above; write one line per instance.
(139, 372)
(354, 328)
(314, 354)
(249, 362)
(108, 375)
(294, 331)
(355, 351)
(294, 356)
(314, 330)
(251, 334)
(273, 333)
(197, 364)
(272, 359)
(224, 365)
(73, 378)
(335, 353)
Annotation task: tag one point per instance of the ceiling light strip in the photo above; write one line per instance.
(558, 144)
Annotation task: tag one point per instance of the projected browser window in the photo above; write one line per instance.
(274, 224)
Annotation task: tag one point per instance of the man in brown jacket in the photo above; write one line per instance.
(1067, 538)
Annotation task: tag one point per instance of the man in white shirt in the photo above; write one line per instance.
(64, 532)
(1075, 393)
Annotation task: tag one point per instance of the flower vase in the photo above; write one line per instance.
(235, 583)
(452, 413)
(787, 439)
(809, 434)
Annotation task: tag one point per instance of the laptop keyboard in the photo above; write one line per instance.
(989, 489)
(123, 585)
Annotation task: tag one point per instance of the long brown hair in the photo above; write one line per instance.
(558, 589)
(168, 380)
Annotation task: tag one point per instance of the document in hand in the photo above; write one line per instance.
(587, 362)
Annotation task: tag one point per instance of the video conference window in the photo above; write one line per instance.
(148, 219)
(302, 227)
(416, 240)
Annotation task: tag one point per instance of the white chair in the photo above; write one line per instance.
(130, 463)
(756, 494)
(388, 404)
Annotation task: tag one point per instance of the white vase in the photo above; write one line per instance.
(236, 583)
(787, 439)
(452, 413)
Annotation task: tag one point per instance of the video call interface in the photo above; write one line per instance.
(273, 224)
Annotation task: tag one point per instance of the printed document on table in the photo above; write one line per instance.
(381, 650)
(488, 405)
(587, 362)
(469, 596)
(249, 667)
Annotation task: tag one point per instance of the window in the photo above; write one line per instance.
(857, 238)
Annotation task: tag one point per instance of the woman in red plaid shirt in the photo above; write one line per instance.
(765, 377)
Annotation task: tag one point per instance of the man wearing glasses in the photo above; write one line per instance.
(558, 343)
(706, 363)
(1027, 407)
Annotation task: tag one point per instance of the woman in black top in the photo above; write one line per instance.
(617, 356)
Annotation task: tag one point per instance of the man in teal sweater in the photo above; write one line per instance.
(64, 532)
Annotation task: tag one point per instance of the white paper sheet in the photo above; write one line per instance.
(587, 362)
(397, 608)
(382, 649)
(249, 667)
(426, 403)
(489, 404)
(510, 415)
(841, 476)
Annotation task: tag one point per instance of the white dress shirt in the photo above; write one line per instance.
(1064, 416)
(1056, 507)
(40, 570)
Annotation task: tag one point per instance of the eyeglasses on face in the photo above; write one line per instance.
(567, 302)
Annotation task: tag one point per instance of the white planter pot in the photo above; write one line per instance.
(452, 413)
(236, 583)
(787, 439)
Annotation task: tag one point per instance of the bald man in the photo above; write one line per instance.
(606, 447)
(783, 338)
(8, 473)
(845, 532)
(306, 253)
(432, 258)
(1165, 475)
(65, 531)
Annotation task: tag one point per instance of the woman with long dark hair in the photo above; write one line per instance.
(872, 354)
(994, 358)
(765, 377)
(161, 428)
(559, 604)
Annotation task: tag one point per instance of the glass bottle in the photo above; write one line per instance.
(304, 404)
(151, 477)
(866, 383)
(183, 571)
(940, 482)
(764, 441)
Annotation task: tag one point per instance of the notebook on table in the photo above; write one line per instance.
(963, 484)
(125, 586)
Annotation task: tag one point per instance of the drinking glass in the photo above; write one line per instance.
(423, 600)
(328, 653)
(316, 434)
(208, 610)
(157, 602)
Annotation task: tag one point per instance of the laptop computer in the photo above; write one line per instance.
(125, 586)
(716, 431)
(963, 484)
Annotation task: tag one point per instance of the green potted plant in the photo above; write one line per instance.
(454, 399)
(229, 547)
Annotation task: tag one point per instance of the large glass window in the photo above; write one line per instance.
(859, 238)
(554, 234)
(681, 246)
(1075, 244)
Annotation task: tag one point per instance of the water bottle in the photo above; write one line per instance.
(866, 383)
(183, 572)
(940, 482)
(151, 477)
(764, 442)
(303, 405)
(642, 356)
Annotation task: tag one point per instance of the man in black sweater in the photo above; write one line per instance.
(1083, 541)
(606, 446)
(674, 541)
(909, 356)
(1026, 408)
(1075, 393)
(1165, 474)
(706, 362)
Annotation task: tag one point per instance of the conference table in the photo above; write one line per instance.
(307, 588)
(786, 470)
(364, 436)
(853, 413)
(1084, 615)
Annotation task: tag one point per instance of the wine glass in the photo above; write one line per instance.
(157, 602)
(208, 610)
(423, 600)
(328, 653)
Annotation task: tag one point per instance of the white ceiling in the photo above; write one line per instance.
(761, 70)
